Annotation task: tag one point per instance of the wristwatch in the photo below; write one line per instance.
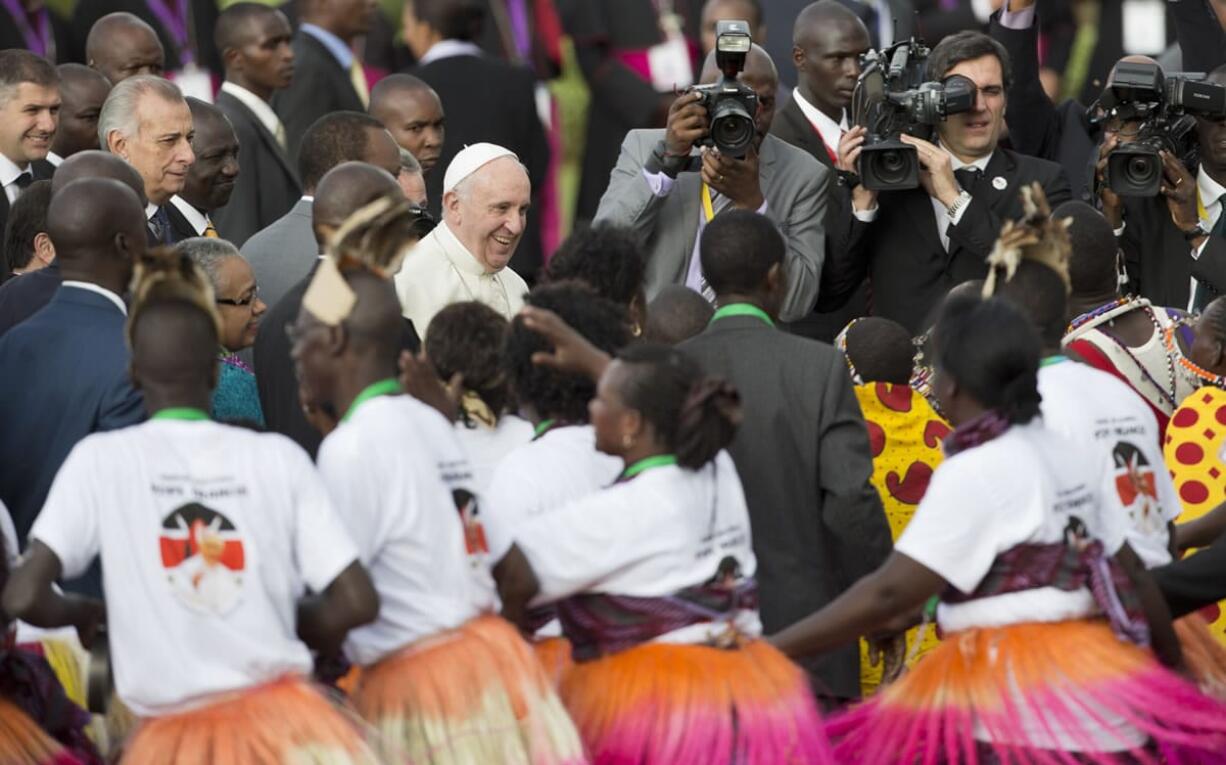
(964, 199)
(661, 161)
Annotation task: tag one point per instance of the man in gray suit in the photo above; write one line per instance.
(802, 450)
(285, 252)
(653, 193)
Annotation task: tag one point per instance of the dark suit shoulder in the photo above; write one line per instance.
(737, 334)
(1033, 168)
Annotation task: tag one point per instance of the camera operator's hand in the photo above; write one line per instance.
(849, 153)
(1179, 188)
(687, 123)
(736, 179)
(936, 170)
(1113, 208)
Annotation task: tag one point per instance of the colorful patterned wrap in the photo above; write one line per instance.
(905, 434)
(475, 694)
(284, 721)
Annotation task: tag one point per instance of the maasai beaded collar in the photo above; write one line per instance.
(1110, 311)
(840, 342)
(1205, 376)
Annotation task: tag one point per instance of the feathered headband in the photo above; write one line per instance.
(1036, 236)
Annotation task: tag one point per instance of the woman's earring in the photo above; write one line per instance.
(627, 441)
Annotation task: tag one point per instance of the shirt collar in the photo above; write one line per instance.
(9, 170)
(151, 210)
(199, 221)
(55, 159)
(829, 130)
(458, 254)
(103, 291)
(335, 45)
(1210, 190)
(980, 164)
(258, 106)
(449, 48)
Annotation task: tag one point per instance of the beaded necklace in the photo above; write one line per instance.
(1205, 376)
(1110, 311)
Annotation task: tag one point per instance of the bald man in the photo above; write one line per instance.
(22, 298)
(67, 365)
(212, 176)
(82, 93)
(654, 192)
(412, 113)
(180, 28)
(120, 46)
(254, 41)
(343, 190)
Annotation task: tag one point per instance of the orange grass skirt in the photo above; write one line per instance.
(554, 654)
(22, 742)
(286, 721)
(1203, 654)
(472, 695)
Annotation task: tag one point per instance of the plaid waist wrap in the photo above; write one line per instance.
(599, 624)
(1069, 566)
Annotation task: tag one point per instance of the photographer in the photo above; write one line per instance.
(666, 187)
(915, 244)
(1173, 243)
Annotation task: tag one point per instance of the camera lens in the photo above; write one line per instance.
(890, 167)
(732, 127)
(1140, 170)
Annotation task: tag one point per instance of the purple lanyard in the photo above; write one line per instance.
(37, 37)
(175, 24)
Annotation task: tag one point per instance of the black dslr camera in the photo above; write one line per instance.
(730, 105)
(1165, 106)
(892, 97)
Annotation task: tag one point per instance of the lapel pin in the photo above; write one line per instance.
(999, 183)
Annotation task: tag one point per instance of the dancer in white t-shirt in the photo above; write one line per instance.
(1046, 610)
(443, 678)
(211, 537)
(653, 577)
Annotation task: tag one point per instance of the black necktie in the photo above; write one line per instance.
(159, 224)
(968, 178)
(23, 181)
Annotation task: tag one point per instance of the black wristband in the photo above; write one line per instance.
(847, 178)
(661, 161)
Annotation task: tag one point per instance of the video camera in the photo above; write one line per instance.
(731, 106)
(892, 97)
(1166, 107)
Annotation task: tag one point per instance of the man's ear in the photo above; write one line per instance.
(798, 57)
(44, 249)
(338, 339)
(117, 144)
(774, 279)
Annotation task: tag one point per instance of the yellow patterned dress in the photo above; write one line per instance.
(1193, 452)
(905, 434)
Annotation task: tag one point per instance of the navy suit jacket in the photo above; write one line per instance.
(23, 296)
(65, 376)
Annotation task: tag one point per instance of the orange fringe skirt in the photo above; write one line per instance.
(1203, 654)
(22, 742)
(475, 694)
(554, 654)
(665, 703)
(286, 721)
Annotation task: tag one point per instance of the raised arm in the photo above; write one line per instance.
(31, 596)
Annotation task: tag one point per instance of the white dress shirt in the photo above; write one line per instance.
(103, 291)
(199, 221)
(830, 131)
(259, 107)
(1210, 193)
(55, 159)
(449, 48)
(9, 173)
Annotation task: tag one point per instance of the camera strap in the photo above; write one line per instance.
(708, 207)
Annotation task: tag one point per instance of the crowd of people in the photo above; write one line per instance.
(865, 439)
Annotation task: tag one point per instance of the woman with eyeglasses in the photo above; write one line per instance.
(236, 398)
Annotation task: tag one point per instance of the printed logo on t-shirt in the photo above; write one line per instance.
(202, 552)
(475, 544)
(1136, 485)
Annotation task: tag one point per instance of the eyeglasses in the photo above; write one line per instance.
(242, 302)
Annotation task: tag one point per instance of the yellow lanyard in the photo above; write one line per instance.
(1200, 207)
(708, 208)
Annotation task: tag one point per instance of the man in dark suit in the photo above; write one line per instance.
(29, 113)
(344, 190)
(30, 24)
(485, 100)
(829, 41)
(22, 298)
(212, 176)
(254, 41)
(182, 29)
(120, 46)
(327, 76)
(283, 253)
(915, 244)
(147, 123)
(802, 448)
(66, 367)
(83, 91)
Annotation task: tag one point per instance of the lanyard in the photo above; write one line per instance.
(180, 413)
(708, 207)
(742, 309)
(37, 37)
(174, 21)
(1050, 360)
(648, 463)
(388, 387)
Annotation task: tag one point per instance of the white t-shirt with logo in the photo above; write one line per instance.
(488, 447)
(561, 466)
(1102, 413)
(209, 535)
(662, 531)
(405, 490)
